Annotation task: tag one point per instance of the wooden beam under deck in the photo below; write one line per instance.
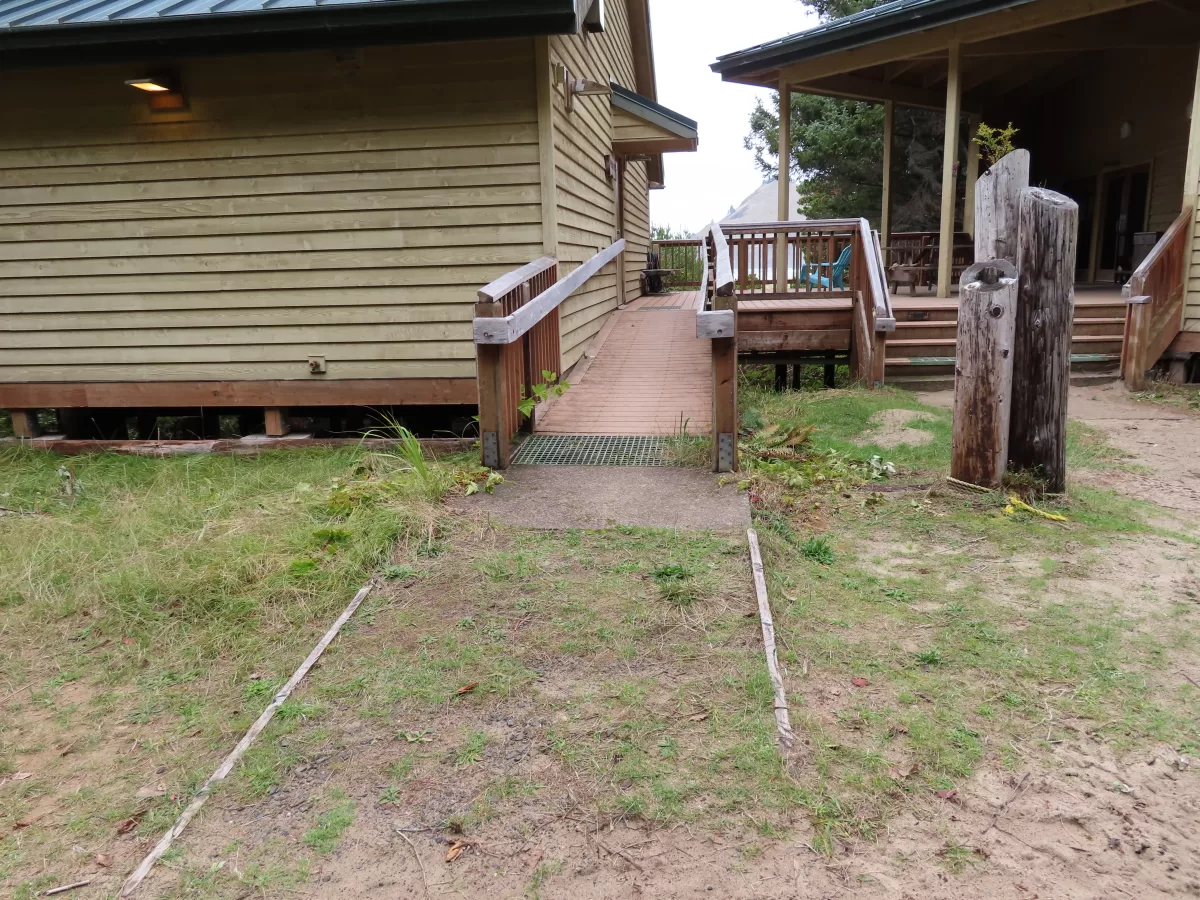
(171, 394)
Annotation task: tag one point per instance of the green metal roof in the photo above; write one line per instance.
(44, 32)
(879, 23)
(645, 108)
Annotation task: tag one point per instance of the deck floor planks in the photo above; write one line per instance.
(650, 374)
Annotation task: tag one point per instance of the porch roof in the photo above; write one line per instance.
(899, 51)
(881, 22)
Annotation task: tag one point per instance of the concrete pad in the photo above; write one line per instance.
(561, 497)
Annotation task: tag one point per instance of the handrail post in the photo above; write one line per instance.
(491, 378)
(725, 375)
(724, 361)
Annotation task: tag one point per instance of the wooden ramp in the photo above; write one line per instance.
(649, 375)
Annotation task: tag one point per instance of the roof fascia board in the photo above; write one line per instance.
(365, 24)
(641, 36)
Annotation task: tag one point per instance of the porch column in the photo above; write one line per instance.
(949, 168)
(1191, 187)
(885, 216)
(785, 166)
(972, 174)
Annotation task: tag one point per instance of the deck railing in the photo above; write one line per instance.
(810, 250)
(826, 259)
(1155, 295)
(911, 257)
(516, 332)
(685, 261)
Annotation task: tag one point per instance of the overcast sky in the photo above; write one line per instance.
(688, 36)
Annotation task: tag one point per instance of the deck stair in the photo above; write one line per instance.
(923, 345)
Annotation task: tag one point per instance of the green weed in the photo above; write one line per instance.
(324, 837)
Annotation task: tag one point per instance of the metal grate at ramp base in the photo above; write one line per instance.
(591, 450)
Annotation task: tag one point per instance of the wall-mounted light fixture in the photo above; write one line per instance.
(580, 87)
(163, 91)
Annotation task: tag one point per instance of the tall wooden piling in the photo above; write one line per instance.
(1048, 231)
(997, 206)
(983, 372)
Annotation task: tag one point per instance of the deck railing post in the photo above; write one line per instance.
(725, 414)
(491, 376)
(724, 360)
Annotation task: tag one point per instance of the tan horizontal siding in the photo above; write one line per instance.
(637, 224)
(586, 199)
(96, 325)
(412, 220)
(302, 205)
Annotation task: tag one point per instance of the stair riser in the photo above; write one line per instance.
(917, 351)
(907, 331)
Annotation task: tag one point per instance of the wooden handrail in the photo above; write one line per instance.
(702, 253)
(1155, 294)
(876, 277)
(490, 293)
(723, 274)
(507, 329)
(1141, 273)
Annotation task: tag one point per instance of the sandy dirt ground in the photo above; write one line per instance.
(1081, 822)
(1163, 442)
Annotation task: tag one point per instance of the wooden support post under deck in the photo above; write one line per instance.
(949, 169)
(785, 194)
(276, 421)
(972, 174)
(25, 423)
(885, 216)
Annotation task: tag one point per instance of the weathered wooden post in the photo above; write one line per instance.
(1048, 231)
(983, 372)
(997, 203)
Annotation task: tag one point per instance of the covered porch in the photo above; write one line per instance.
(1102, 92)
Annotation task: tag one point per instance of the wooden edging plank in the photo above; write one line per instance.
(787, 737)
(139, 874)
(78, 447)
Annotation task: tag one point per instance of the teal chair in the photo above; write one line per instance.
(837, 273)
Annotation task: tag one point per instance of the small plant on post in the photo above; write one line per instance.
(995, 143)
(548, 387)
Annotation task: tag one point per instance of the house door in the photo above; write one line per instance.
(1124, 202)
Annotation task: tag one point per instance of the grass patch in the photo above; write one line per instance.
(155, 608)
(324, 837)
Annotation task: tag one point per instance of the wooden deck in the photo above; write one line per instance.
(650, 373)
